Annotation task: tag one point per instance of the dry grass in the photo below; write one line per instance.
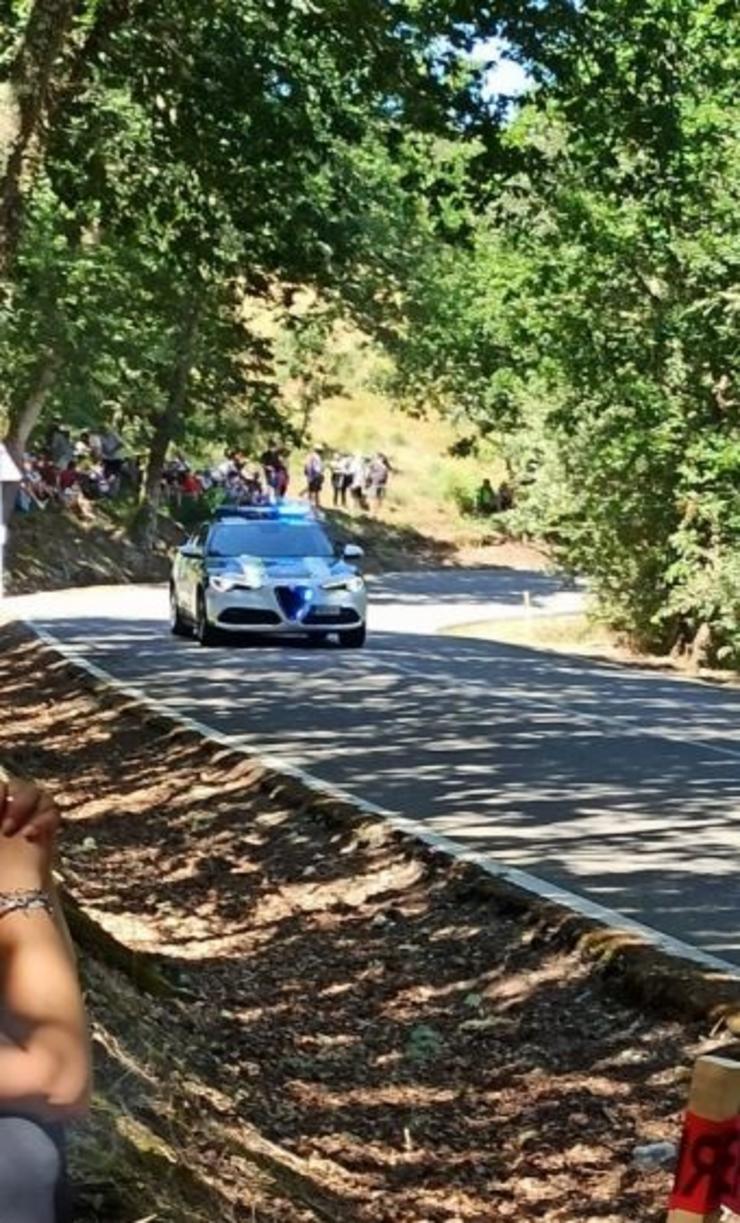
(568, 634)
(582, 635)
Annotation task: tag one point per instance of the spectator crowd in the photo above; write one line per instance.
(74, 471)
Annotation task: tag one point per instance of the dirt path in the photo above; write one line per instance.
(449, 1064)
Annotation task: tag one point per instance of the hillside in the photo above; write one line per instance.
(421, 524)
(423, 516)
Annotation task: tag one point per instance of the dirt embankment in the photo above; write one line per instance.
(425, 1054)
(53, 549)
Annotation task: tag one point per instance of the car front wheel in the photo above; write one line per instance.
(204, 630)
(178, 625)
(353, 638)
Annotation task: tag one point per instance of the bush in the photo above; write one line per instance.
(461, 488)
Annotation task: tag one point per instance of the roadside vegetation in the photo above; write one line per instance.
(591, 325)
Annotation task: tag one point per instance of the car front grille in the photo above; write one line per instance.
(248, 615)
(292, 600)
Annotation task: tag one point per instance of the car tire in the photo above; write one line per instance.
(179, 627)
(205, 632)
(353, 638)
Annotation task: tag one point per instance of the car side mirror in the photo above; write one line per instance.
(353, 552)
(189, 552)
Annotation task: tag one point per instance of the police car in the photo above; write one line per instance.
(267, 570)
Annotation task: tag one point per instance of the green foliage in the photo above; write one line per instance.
(197, 156)
(192, 511)
(593, 323)
(424, 1044)
(461, 488)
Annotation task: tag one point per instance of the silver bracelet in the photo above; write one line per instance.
(25, 902)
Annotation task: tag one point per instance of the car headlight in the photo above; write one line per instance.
(352, 584)
(223, 582)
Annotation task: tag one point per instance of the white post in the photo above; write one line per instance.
(9, 474)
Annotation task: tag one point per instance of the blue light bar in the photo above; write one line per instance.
(288, 510)
(295, 509)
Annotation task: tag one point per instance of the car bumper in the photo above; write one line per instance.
(270, 610)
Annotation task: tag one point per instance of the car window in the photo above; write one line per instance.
(269, 540)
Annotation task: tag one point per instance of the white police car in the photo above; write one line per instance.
(266, 570)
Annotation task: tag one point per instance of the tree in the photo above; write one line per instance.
(207, 145)
(597, 312)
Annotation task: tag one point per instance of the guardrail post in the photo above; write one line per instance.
(708, 1172)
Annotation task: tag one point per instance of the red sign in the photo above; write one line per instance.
(708, 1174)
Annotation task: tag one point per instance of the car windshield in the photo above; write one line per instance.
(269, 540)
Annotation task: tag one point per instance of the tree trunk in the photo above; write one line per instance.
(165, 428)
(24, 418)
(23, 99)
(700, 648)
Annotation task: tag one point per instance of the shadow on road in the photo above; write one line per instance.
(623, 787)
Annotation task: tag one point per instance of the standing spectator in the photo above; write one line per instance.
(113, 453)
(281, 477)
(69, 477)
(314, 472)
(341, 479)
(91, 439)
(270, 459)
(377, 479)
(226, 468)
(505, 497)
(60, 446)
(358, 479)
(254, 493)
(486, 500)
(132, 472)
(190, 485)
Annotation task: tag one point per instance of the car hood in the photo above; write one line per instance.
(284, 569)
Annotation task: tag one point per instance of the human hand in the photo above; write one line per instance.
(27, 809)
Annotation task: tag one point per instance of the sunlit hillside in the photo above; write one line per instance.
(429, 485)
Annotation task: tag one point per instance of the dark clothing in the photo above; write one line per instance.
(33, 1186)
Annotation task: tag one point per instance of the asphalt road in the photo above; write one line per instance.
(621, 785)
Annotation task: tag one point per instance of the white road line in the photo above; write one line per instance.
(536, 887)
